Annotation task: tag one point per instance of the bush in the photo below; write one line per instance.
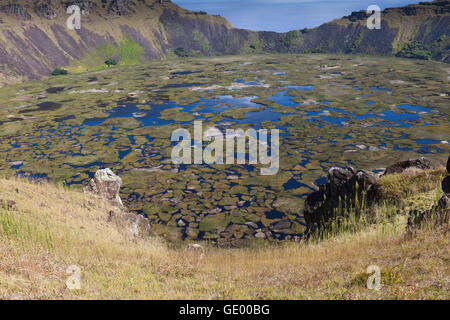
(180, 52)
(59, 72)
(110, 62)
(289, 38)
(321, 49)
(304, 30)
(414, 50)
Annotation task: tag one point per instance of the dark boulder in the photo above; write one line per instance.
(366, 185)
(339, 183)
(446, 185)
(444, 203)
(399, 167)
(345, 188)
(448, 164)
(314, 202)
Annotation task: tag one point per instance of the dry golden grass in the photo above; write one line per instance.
(52, 228)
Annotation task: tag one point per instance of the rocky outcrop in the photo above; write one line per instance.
(136, 224)
(446, 185)
(15, 9)
(139, 225)
(448, 165)
(345, 188)
(121, 7)
(437, 215)
(399, 167)
(444, 205)
(424, 25)
(45, 9)
(85, 5)
(106, 185)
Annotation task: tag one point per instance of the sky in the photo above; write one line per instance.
(284, 15)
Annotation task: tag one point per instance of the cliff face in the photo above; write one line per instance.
(423, 27)
(34, 38)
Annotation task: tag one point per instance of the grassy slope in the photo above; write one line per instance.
(53, 228)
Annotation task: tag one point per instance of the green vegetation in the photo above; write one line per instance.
(127, 51)
(321, 49)
(110, 62)
(59, 72)
(412, 190)
(414, 50)
(180, 52)
(290, 37)
(33, 227)
(355, 42)
(203, 40)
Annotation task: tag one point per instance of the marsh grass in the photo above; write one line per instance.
(26, 227)
(52, 228)
(401, 193)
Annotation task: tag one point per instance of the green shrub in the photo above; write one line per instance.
(304, 30)
(321, 49)
(180, 52)
(59, 72)
(414, 50)
(110, 62)
(290, 37)
(127, 52)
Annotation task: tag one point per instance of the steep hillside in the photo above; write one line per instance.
(44, 229)
(34, 38)
(415, 31)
